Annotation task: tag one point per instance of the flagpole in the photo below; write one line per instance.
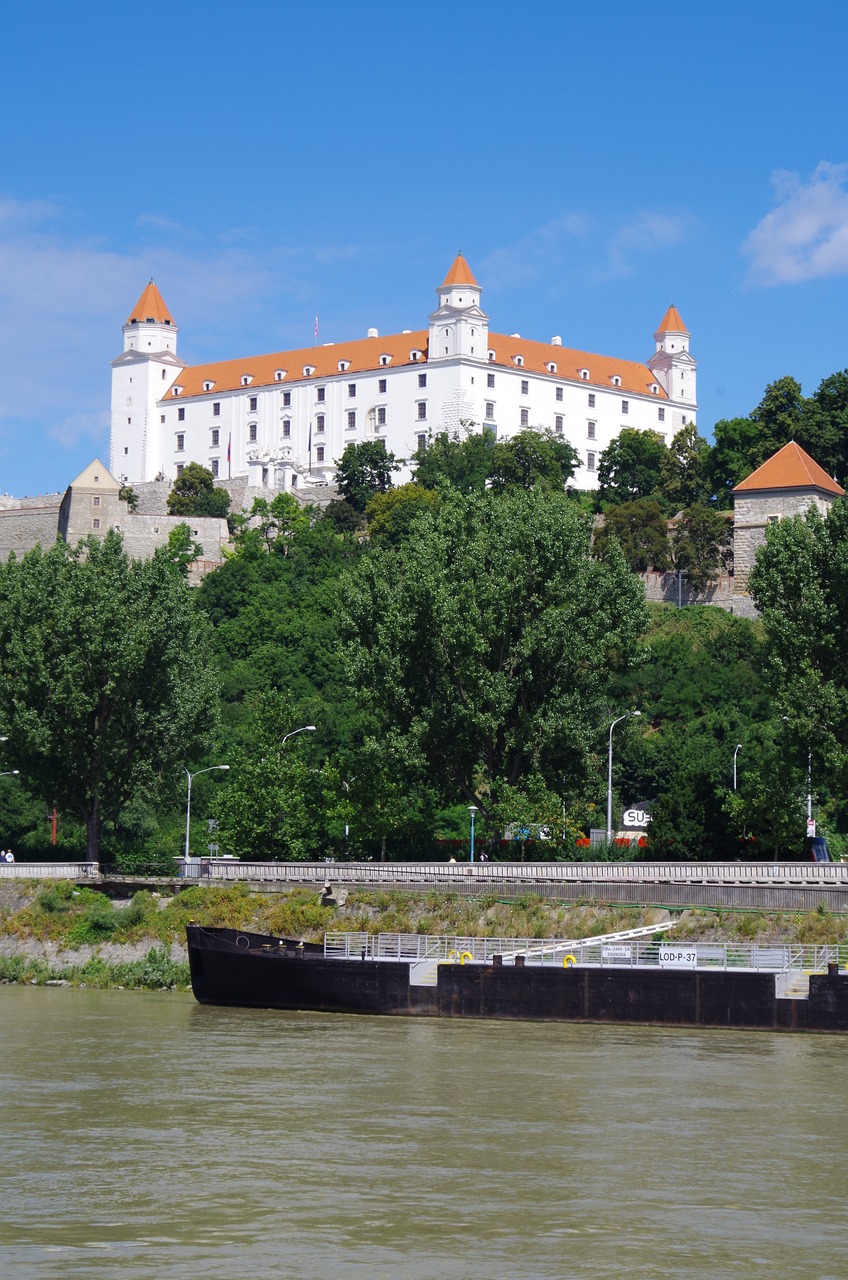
(229, 457)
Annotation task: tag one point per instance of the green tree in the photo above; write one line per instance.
(632, 466)
(641, 531)
(194, 493)
(484, 644)
(533, 460)
(824, 427)
(269, 523)
(104, 679)
(363, 470)
(702, 540)
(391, 515)
(181, 548)
(743, 444)
(461, 459)
(684, 474)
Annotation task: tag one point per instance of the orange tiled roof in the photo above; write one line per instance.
(363, 355)
(789, 468)
(460, 273)
(671, 322)
(150, 306)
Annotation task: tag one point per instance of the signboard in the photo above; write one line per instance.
(637, 817)
(811, 826)
(678, 957)
(616, 952)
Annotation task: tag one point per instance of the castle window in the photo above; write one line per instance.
(590, 430)
(213, 467)
(321, 394)
(558, 424)
(559, 393)
(164, 374)
(180, 442)
(286, 428)
(216, 437)
(95, 502)
(490, 380)
(162, 419)
(181, 415)
(591, 399)
(319, 453)
(490, 410)
(590, 462)
(351, 420)
(351, 390)
(254, 404)
(180, 469)
(381, 387)
(319, 424)
(525, 417)
(216, 409)
(381, 415)
(422, 442)
(625, 406)
(525, 387)
(422, 379)
(660, 415)
(286, 399)
(95, 524)
(422, 410)
(251, 431)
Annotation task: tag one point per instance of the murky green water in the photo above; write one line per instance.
(143, 1136)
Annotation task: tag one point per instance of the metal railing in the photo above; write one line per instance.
(49, 870)
(488, 875)
(412, 947)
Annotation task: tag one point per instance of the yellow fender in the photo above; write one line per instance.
(466, 955)
(567, 961)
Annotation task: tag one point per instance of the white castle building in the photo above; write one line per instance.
(282, 420)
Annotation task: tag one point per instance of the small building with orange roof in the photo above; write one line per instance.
(283, 419)
(787, 484)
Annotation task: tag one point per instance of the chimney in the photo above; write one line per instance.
(372, 333)
(556, 340)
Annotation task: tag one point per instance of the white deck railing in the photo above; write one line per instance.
(773, 957)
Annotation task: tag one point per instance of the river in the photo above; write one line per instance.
(146, 1137)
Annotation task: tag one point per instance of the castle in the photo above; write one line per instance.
(283, 420)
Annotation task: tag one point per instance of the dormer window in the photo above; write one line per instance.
(207, 386)
(415, 355)
(246, 379)
(279, 374)
(491, 356)
(654, 389)
(175, 391)
(615, 380)
(343, 366)
(551, 367)
(308, 370)
(385, 359)
(518, 360)
(584, 374)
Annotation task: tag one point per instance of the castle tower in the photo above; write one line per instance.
(672, 364)
(458, 326)
(141, 376)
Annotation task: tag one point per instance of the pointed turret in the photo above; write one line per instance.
(141, 375)
(671, 362)
(458, 326)
(150, 308)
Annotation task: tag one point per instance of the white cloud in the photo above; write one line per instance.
(805, 237)
(604, 250)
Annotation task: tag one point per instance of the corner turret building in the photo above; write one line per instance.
(282, 420)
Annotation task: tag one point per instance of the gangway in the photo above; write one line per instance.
(599, 940)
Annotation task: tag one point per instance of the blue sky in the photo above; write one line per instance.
(267, 162)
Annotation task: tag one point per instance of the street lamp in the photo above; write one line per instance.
(191, 776)
(735, 754)
(472, 809)
(306, 728)
(626, 716)
(10, 773)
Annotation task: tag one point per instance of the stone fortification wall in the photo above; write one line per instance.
(143, 534)
(152, 497)
(753, 512)
(662, 588)
(22, 528)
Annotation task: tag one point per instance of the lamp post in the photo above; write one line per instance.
(735, 754)
(809, 791)
(472, 809)
(190, 777)
(306, 728)
(9, 773)
(626, 716)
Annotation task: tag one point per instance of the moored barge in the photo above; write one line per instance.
(741, 986)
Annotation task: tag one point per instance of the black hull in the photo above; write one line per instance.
(229, 967)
